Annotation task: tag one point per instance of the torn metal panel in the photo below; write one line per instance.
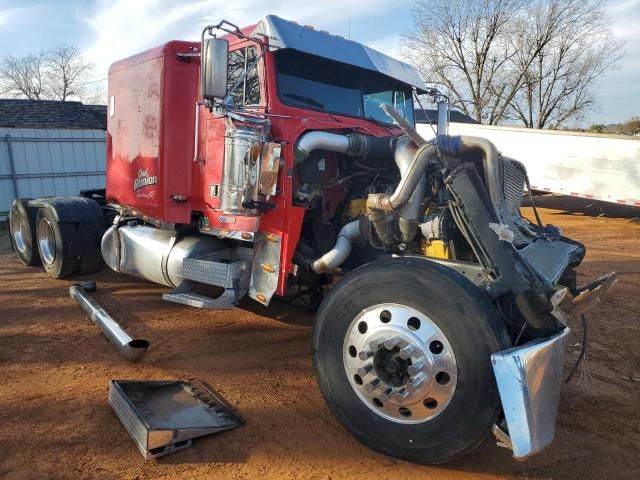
(270, 165)
(566, 305)
(550, 258)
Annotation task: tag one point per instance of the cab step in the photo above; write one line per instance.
(229, 271)
(214, 269)
(225, 301)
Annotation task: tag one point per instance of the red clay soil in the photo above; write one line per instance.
(55, 367)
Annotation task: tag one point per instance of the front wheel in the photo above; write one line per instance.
(401, 349)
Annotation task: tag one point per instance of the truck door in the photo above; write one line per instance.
(244, 92)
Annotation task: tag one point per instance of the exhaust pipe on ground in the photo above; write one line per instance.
(130, 348)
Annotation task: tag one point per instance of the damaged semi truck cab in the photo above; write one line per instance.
(277, 160)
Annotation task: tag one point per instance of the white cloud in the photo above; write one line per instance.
(10, 18)
(390, 45)
(624, 7)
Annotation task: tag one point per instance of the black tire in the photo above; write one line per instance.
(54, 244)
(90, 262)
(464, 315)
(22, 232)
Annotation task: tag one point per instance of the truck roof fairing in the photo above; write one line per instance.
(286, 34)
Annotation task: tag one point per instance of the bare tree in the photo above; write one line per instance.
(632, 126)
(60, 73)
(67, 73)
(464, 45)
(94, 96)
(559, 84)
(23, 76)
(497, 58)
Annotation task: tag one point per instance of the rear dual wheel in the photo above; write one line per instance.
(54, 244)
(62, 233)
(22, 231)
(402, 352)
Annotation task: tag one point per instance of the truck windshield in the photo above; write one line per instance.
(313, 82)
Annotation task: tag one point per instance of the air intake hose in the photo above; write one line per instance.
(352, 144)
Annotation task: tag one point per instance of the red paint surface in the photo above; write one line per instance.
(153, 131)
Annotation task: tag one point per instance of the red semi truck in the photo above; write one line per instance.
(277, 160)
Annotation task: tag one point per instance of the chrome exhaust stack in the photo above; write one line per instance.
(130, 348)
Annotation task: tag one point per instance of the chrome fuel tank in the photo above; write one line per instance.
(153, 254)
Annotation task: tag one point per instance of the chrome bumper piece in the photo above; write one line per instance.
(529, 379)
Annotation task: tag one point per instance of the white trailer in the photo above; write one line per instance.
(594, 166)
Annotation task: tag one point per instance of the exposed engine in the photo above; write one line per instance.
(455, 200)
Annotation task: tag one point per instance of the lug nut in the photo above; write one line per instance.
(416, 368)
(376, 343)
(416, 382)
(401, 394)
(395, 341)
(406, 352)
(362, 371)
(372, 385)
(365, 354)
(386, 395)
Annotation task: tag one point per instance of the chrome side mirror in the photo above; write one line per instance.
(213, 68)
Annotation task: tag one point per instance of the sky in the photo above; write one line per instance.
(108, 30)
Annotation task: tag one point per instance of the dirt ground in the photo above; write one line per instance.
(55, 367)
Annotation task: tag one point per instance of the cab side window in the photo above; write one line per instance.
(248, 92)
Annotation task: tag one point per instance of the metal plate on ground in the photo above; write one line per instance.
(163, 416)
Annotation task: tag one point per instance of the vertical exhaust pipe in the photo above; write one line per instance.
(131, 349)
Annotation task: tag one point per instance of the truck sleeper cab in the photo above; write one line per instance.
(278, 160)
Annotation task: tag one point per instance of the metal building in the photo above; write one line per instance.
(50, 148)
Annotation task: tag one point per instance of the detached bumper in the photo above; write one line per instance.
(529, 380)
(529, 377)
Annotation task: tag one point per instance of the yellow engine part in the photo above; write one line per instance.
(357, 207)
(435, 249)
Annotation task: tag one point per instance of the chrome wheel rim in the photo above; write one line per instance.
(399, 363)
(46, 241)
(19, 231)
